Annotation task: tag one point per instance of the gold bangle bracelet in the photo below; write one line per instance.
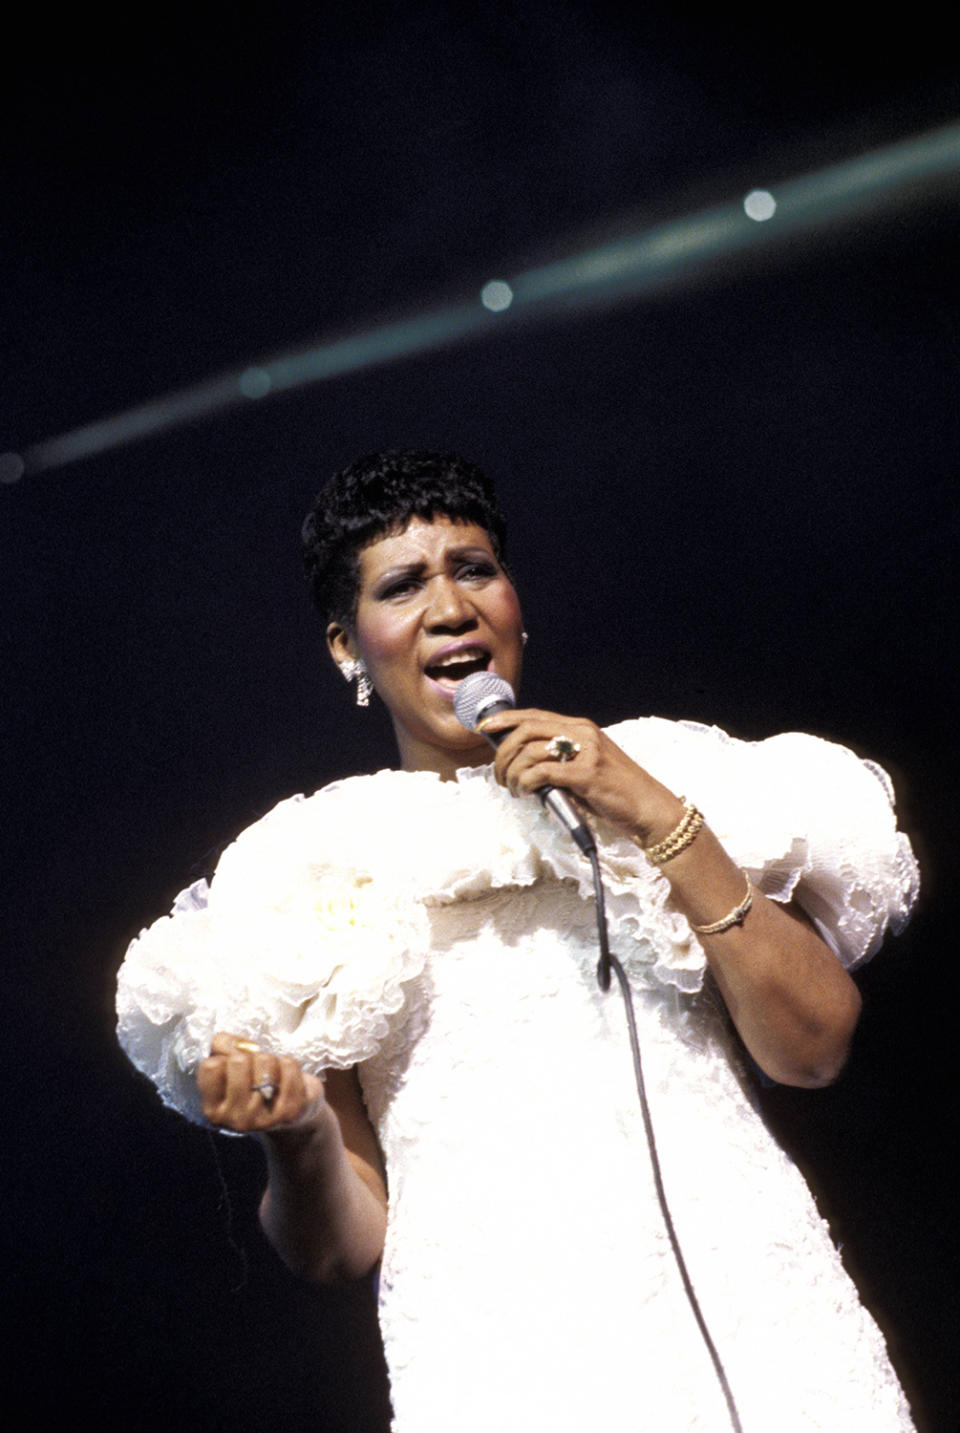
(679, 838)
(736, 917)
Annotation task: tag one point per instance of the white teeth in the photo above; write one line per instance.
(455, 658)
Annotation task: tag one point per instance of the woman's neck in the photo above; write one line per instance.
(445, 762)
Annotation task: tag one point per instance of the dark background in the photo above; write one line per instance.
(736, 503)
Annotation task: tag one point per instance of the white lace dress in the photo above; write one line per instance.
(441, 936)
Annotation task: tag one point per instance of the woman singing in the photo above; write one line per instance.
(392, 985)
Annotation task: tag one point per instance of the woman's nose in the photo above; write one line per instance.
(448, 605)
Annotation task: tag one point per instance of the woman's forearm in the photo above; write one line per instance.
(324, 1209)
(325, 1206)
(792, 1002)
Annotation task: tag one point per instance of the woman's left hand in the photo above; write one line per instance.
(599, 774)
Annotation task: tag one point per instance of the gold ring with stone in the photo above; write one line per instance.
(563, 748)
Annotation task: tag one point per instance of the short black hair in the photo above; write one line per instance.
(378, 495)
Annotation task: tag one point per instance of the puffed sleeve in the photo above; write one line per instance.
(294, 945)
(806, 818)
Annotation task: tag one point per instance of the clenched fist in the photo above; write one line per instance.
(249, 1091)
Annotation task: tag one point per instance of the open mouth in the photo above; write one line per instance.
(451, 670)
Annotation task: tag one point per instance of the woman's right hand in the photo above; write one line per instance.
(250, 1091)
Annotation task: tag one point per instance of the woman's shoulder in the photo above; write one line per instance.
(673, 745)
(341, 815)
(794, 751)
(793, 776)
(384, 785)
(347, 827)
(397, 828)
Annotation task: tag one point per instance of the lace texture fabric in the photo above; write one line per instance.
(441, 936)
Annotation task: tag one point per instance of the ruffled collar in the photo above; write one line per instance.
(413, 837)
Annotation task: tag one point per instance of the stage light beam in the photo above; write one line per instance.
(634, 265)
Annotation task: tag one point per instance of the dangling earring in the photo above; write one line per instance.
(526, 637)
(353, 667)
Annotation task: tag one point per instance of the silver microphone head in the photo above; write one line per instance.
(477, 693)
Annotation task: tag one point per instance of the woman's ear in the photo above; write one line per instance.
(340, 644)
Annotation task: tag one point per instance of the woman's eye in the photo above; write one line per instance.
(473, 570)
(400, 588)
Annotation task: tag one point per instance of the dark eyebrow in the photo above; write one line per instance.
(469, 550)
(405, 569)
(453, 554)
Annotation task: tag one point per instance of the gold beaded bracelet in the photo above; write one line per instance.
(679, 838)
(736, 917)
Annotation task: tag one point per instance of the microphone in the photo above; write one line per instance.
(483, 694)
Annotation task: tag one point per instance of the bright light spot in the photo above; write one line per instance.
(496, 295)
(760, 204)
(255, 382)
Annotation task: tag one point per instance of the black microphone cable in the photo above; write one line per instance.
(482, 694)
(606, 963)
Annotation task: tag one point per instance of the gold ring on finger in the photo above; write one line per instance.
(563, 748)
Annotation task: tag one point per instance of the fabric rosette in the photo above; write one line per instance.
(326, 960)
(286, 947)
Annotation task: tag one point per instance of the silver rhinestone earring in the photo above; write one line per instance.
(526, 637)
(353, 667)
(364, 687)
